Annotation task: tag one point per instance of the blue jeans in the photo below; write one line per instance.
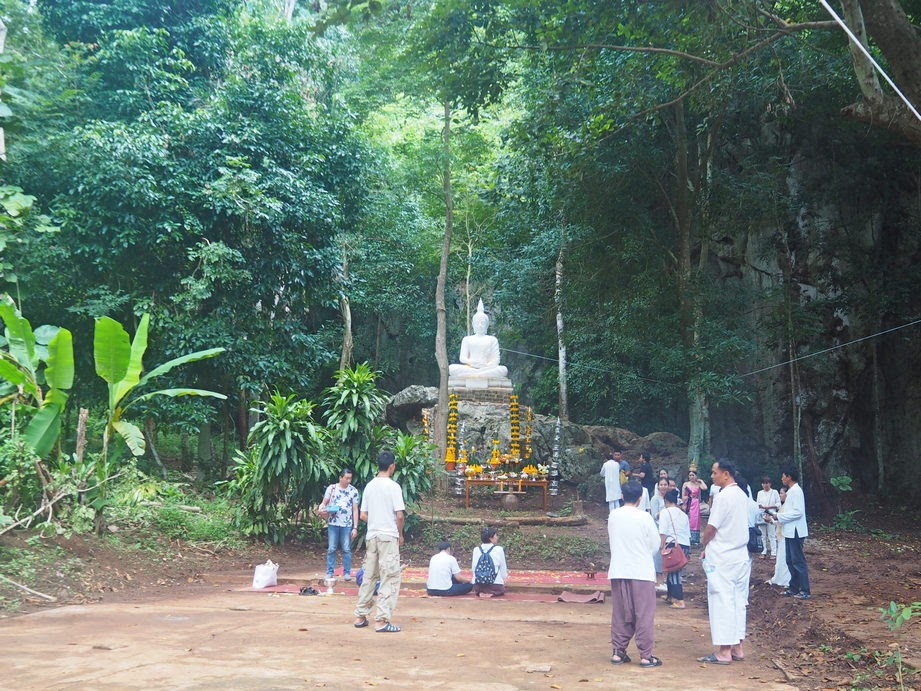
(340, 537)
(673, 581)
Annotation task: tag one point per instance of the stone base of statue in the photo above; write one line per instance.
(497, 391)
(479, 383)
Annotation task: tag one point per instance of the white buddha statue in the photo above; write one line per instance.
(479, 357)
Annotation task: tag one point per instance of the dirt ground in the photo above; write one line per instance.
(179, 621)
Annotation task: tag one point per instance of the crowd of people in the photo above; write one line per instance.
(641, 532)
(649, 521)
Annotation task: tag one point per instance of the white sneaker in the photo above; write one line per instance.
(661, 588)
(347, 577)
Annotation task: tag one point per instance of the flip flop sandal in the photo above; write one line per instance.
(736, 658)
(309, 590)
(712, 659)
(388, 628)
(653, 661)
(622, 654)
(362, 624)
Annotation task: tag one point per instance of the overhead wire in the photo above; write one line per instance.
(746, 374)
(869, 57)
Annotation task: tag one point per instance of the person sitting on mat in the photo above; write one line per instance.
(444, 579)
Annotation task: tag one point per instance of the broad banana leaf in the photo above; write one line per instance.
(20, 339)
(135, 362)
(132, 435)
(175, 362)
(13, 374)
(60, 370)
(174, 393)
(44, 429)
(112, 353)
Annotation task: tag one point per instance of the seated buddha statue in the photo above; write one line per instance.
(479, 354)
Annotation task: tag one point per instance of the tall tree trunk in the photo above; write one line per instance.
(877, 418)
(80, 447)
(560, 334)
(185, 456)
(698, 406)
(2, 46)
(796, 404)
(863, 68)
(345, 308)
(441, 332)
(467, 299)
(205, 447)
(243, 418)
(150, 434)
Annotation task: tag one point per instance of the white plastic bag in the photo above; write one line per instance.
(265, 575)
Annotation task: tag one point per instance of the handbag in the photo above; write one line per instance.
(673, 558)
(755, 543)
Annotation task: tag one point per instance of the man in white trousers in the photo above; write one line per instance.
(727, 565)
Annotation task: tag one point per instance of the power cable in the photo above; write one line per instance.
(746, 374)
(869, 57)
(828, 350)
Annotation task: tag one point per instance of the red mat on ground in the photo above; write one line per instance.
(294, 589)
(522, 578)
(516, 579)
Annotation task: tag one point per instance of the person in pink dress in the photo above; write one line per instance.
(691, 491)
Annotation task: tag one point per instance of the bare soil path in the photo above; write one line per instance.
(230, 639)
(173, 617)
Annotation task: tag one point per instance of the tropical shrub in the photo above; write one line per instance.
(415, 465)
(283, 469)
(353, 410)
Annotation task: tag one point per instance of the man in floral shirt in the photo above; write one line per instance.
(340, 508)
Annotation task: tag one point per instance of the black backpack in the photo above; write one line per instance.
(485, 571)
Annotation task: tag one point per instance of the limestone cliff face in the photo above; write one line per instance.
(583, 448)
(833, 279)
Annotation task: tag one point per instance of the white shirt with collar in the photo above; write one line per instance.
(793, 516)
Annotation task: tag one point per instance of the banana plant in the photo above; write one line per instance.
(21, 366)
(119, 361)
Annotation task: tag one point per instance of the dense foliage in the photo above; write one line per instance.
(291, 458)
(275, 185)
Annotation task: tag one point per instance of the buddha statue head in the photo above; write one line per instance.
(480, 320)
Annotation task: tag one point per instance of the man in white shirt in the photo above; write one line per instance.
(444, 579)
(727, 565)
(795, 531)
(383, 508)
(610, 471)
(633, 537)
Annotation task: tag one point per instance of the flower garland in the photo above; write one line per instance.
(515, 434)
(527, 435)
(451, 450)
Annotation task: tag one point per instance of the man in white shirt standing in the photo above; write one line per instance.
(383, 508)
(795, 531)
(633, 537)
(610, 471)
(727, 565)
